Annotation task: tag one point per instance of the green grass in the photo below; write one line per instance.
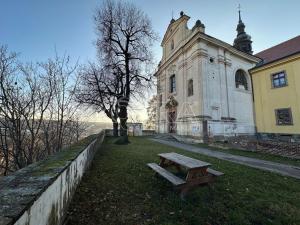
(50, 165)
(258, 155)
(120, 189)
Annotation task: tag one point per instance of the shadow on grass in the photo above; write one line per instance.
(120, 189)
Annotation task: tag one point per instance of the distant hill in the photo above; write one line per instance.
(96, 127)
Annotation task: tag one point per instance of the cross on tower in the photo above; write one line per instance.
(239, 8)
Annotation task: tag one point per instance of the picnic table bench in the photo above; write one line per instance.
(198, 172)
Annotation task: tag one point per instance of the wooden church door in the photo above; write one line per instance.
(172, 121)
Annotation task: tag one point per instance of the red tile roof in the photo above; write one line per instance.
(280, 51)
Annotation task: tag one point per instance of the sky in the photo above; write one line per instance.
(35, 28)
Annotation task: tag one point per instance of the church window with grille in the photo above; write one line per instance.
(172, 84)
(284, 116)
(190, 87)
(172, 44)
(160, 100)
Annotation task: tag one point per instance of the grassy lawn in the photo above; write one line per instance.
(258, 155)
(120, 189)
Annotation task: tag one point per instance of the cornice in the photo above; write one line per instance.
(228, 62)
(221, 59)
(201, 36)
(201, 52)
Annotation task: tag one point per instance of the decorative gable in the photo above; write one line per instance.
(177, 31)
(173, 27)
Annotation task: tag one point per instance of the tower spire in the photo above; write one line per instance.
(242, 41)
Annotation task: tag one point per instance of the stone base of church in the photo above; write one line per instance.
(229, 129)
(161, 127)
(187, 127)
(198, 130)
(190, 127)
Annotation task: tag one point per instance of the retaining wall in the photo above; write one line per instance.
(40, 193)
(109, 133)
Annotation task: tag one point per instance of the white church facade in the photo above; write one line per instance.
(203, 85)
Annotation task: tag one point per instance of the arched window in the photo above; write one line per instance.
(241, 80)
(190, 87)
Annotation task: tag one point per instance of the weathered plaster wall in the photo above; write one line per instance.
(40, 193)
(212, 65)
(268, 99)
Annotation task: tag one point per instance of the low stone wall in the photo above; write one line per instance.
(275, 147)
(279, 148)
(109, 133)
(40, 193)
(148, 132)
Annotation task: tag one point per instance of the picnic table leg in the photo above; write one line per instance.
(169, 164)
(193, 179)
(186, 188)
(166, 163)
(162, 162)
(190, 175)
(178, 168)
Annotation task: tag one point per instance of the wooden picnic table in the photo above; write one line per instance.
(198, 172)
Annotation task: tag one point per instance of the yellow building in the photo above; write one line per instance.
(276, 86)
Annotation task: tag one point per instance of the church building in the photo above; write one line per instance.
(203, 85)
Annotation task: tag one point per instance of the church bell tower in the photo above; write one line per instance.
(242, 41)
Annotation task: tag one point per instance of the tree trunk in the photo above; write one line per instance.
(115, 129)
(123, 125)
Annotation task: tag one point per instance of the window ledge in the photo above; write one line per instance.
(279, 87)
(244, 91)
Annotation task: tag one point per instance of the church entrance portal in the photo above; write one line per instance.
(172, 120)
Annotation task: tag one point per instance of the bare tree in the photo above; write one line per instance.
(125, 37)
(151, 111)
(63, 107)
(7, 114)
(12, 110)
(61, 116)
(100, 89)
(36, 107)
(39, 94)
